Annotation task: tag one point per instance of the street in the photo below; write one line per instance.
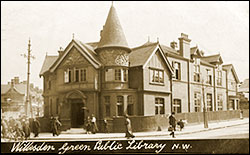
(228, 129)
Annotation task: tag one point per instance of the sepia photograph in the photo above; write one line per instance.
(125, 77)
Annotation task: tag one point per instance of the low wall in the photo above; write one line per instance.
(154, 123)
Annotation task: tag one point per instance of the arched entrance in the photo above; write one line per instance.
(77, 101)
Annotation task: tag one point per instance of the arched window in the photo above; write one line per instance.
(120, 103)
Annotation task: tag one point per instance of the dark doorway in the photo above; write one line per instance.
(77, 113)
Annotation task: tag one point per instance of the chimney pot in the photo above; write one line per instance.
(173, 44)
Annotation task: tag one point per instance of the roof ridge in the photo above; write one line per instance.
(211, 55)
(145, 45)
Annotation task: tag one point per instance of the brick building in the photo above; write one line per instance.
(13, 98)
(108, 79)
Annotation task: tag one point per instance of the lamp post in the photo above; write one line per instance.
(28, 102)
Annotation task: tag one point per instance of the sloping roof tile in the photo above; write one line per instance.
(140, 55)
(4, 88)
(90, 51)
(244, 86)
(112, 33)
(48, 62)
(231, 67)
(212, 58)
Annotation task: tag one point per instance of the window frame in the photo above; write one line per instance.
(197, 101)
(178, 69)
(159, 105)
(156, 76)
(209, 102)
(177, 105)
(119, 105)
(107, 104)
(130, 103)
(220, 102)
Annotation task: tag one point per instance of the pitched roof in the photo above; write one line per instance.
(213, 58)
(90, 50)
(112, 34)
(231, 67)
(48, 62)
(140, 54)
(85, 49)
(193, 49)
(4, 88)
(20, 88)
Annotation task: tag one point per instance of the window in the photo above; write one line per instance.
(220, 101)
(77, 75)
(159, 106)
(219, 78)
(125, 75)
(107, 105)
(67, 76)
(118, 75)
(130, 107)
(50, 107)
(83, 74)
(209, 102)
(177, 70)
(177, 105)
(231, 105)
(156, 76)
(197, 70)
(120, 101)
(70, 78)
(197, 102)
(57, 106)
(209, 78)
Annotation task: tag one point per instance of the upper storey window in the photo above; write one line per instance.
(177, 70)
(156, 76)
(219, 76)
(75, 75)
(197, 70)
(116, 75)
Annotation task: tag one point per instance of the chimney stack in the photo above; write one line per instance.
(12, 83)
(16, 80)
(60, 51)
(184, 44)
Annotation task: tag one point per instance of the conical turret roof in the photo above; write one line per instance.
(112, 34)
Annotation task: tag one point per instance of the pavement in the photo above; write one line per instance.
(80, 134)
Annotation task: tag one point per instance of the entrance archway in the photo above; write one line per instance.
(77, 101)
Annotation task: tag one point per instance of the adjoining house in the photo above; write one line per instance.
(110, 79)
(13, 98)
(244, 94)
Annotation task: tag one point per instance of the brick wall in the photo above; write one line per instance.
(151, 123)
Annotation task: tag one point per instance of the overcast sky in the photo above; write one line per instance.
(216, 27)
